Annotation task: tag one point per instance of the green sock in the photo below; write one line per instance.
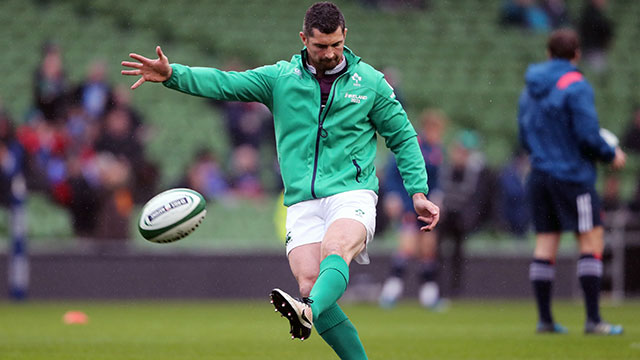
(331, 283)
(336, 329)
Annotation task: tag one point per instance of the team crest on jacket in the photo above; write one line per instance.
(356, 79)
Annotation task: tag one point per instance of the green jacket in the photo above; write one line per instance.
(321, 153)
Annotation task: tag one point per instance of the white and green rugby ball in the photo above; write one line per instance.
(171, 215)
(609, 137)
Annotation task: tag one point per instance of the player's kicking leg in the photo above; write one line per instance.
(344, 236)
(304, 261)
(321, 265)
(296, 311)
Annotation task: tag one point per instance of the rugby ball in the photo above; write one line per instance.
(171, 215)
(609, 137)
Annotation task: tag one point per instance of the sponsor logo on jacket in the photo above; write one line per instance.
(355, 98)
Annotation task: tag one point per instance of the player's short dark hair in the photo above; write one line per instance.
(324, 16)
(563, 44)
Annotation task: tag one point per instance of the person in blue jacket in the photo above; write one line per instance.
(413, 243)
(558, 126)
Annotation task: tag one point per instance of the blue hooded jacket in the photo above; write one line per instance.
(558, 123)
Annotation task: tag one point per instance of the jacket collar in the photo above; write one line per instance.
(351, 59)
(335, 70)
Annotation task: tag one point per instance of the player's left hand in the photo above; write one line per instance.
(427, 211)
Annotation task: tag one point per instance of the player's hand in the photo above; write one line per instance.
(427, 211)
(619, 160)
(157, 70)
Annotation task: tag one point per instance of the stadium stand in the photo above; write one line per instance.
(454, 56)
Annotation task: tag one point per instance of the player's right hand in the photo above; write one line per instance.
(154, 70)
(427, 211)
(619, 160)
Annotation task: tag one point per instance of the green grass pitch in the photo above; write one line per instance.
(159, 330)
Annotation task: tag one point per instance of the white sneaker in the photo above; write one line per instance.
(429, 297)
(429, 294)
(294, 310)
(391, 291)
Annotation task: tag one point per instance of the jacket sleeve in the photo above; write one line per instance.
(250, 85)
(585, 124)
(400, 137)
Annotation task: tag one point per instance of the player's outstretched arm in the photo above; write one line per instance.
(154, 70)
(427, 211)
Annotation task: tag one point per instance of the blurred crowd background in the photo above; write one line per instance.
(92, 151)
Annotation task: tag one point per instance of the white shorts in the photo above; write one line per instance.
(308, 221)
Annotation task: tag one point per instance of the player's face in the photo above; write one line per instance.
(324, 50)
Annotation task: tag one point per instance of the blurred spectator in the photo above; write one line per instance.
(95, 94)
(246, 123)
(97, 190)
(557, 12)
(395, 5)
(596, 33)
(83, 201)
(118, 137)
(145, 172)
(205, 176)
(526, 14)
(514, 205)
(631, 142)
(413, 243)
(611, 200)
(50, 84)
(11, 157)
(115, 198)
(467, 185)
(122, 101)
(631, 136)
(245, 173)
(82, 129)
(45, 145)
(634, 204)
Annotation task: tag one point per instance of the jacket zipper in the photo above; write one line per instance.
(358, 170)
(320, 133)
